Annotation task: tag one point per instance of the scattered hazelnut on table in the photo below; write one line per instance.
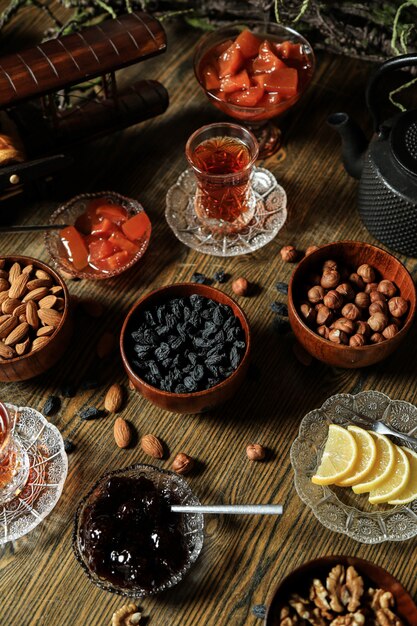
(330, 279)
(182, 464)
(357, 340)
(288, 254)
(240, 286)
(255, 452)
(377, 322)
(333, 299)
(398, 306)
(366, 272)
(387, 287)
(316, 294)
(311, 249)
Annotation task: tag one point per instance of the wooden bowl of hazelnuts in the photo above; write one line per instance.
(351, 303)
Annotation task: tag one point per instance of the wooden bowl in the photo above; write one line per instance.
(36, 362)
(299, 580)
(352, 254)
(198, 401)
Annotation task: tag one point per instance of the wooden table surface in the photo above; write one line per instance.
(243, 558)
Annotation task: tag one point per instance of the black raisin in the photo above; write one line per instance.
(181, 389)
(166, 363)
(137, 335)
(69, 446)
(149, 318)
(279, 308)
(68, 390)
(51, 406)
(162, 351)
(192, 357)
(141, 350)
(91, 413)
(150, 337)
(197, 302)
(218, 317)
(220, 276)
(282, 287)
(154, 369)
(200, 279)
(161, 330)
(190, 383)
(198, 372)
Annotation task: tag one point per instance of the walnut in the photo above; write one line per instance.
(301, 606)
(127, 615)
(354, 584)
(318, 594)
(385, 617)
(334, 585)
(285, 617)
(381, 599)
(353, 619)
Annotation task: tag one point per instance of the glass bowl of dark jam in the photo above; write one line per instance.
(126, 538)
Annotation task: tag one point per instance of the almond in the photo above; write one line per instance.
(56, 289)
(45, 331)
(28, 269)
(9, 305)
(7, 326)
(4, 295)
(152, 446)
(105, 346)
(39, 342)
(114, 398)
(14, 272)
(36, 283)
(22, 318)
(60, 304)
(50, 317)
(4, 284)
(3, 318)
(18, 287)
(21, 348)
(122, 432)
(32, 314)
(48, 302)
(20, 310)
(18, 334)
(6, 352)
(42, 274)
(36, 294)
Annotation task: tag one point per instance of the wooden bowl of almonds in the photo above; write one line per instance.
(35, 325)
(341, 591)
(351, 304)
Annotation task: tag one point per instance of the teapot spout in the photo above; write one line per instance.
(354, 142)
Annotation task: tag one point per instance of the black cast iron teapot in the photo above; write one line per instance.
(387, 167)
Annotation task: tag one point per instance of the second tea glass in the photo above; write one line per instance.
(222, 157)
(14, 460)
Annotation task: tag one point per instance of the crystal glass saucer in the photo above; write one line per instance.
(48, 468)
(338, 508)
(270, 215)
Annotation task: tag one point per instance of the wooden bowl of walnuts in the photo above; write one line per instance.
(351, 303)
(341, 589)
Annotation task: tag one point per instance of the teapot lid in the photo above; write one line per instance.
(403, 140)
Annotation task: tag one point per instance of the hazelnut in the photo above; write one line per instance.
(346, 290)
(289, 254)
(378, 307)
(308, 312)
(348, 326)
(387, 287)
(323, 331)
(255, 452)
(376, 296)
(240, 286)
(351, 311)
(338, 336)
(324, 315)
(366, 272)
(371, 287)
(357, 340)
(329, 265)
(316, 294)
(362, 300)
(376, 338)
(377, 322)
(330, 279)
(398, 306)
(333, 299)
(311, 249)
(363, 328)
(182, 464)
(390, 331)
(357, 281)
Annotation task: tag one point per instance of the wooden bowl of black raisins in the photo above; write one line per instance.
(185, 347)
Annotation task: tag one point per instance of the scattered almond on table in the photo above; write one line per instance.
(122, 432)
(152, 446)
(114, 398)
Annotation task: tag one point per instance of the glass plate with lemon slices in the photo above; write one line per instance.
(358, 482)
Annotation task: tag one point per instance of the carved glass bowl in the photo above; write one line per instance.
(338, 508)
(192, 525)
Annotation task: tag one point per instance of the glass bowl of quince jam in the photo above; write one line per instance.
(253, 72)
(102, 235)
(127, 539)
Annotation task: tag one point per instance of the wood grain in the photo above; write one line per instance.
(243, 558)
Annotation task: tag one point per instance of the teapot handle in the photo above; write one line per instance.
(372, 99)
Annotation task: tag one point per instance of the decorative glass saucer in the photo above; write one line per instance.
(338, 508)
(270, 216)
(48, 468)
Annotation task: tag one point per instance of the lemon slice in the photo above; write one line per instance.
(385, 458)
(339, 456)
(395, 482)
(366, 456)
(409, 491)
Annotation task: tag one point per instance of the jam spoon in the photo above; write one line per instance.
(236, 509)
